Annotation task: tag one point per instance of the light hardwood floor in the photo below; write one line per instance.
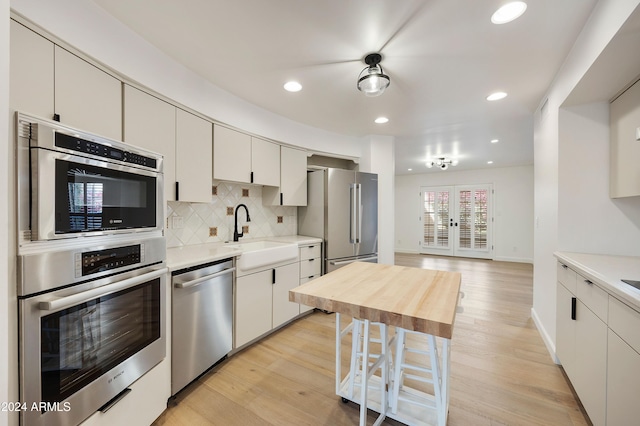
(501, 372)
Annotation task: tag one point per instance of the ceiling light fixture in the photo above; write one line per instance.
(489, 162)
(372, 80)
(442, 162)
(495, 140)
(496, 96)
(381, 120)
(509, 12)
(292, 86)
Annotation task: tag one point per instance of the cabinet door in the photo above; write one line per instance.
(623, 382)
(293, 176)
(31, 72)
(194, 166)
(287, 278)
(87, 97)
(590, 380)
(265, 162)
(231, 155)
(253, 306)
(624, 172)
(565, 331)
(150, 123)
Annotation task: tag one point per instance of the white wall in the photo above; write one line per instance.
(512, 203)
(6, 349)
(588, 220)
(378, 157)
(605, 21)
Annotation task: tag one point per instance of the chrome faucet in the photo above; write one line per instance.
(237, 234)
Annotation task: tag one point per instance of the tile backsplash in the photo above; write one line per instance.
(194, 223)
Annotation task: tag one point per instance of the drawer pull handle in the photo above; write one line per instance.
(573, 308)
(588, 282)
(564, 266)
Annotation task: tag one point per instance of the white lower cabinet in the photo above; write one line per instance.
(598, 344)
(310, 267)
(262, 301)
(590, 378)
(623, 383)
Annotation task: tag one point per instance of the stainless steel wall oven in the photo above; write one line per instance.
(72, 183)
(92, 276)
(96, 326)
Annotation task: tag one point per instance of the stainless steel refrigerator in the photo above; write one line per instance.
(342, 209)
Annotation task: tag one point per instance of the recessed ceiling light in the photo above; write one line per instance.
(489, 162)
(381, 120)
(409, 170)
(292, 86)
(496, 96)
(509, 12)
(495, 140)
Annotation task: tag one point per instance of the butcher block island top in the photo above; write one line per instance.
(422, 300)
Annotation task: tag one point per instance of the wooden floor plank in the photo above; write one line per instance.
(501, 372)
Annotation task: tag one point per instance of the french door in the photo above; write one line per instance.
(456, 221)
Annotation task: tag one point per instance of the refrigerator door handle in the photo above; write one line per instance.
(353, 214)
(344, 262)
(359, 234)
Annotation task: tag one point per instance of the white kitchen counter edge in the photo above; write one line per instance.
(193, 255)
(607, 272)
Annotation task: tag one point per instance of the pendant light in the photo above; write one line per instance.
(372, 80)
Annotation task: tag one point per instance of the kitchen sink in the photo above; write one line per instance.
(261, 253)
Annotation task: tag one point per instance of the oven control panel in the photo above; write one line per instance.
(92, 262)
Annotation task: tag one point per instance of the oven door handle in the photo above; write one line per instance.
(85, 296)
(200, 280)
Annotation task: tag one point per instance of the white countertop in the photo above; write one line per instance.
(608, 272)
(198, 254)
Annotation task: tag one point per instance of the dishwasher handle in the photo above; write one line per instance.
(200, 280)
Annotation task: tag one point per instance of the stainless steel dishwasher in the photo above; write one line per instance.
(202, 320)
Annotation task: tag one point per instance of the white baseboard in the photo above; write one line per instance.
(551, 347)
(514, 259)
(406, 251)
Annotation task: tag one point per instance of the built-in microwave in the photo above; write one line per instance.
(80, 184)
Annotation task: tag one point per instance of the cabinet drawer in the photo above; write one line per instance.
(567, 277)
(593, 297)
(309, 252)
(304, 280)
(625, 322)
(309, 267)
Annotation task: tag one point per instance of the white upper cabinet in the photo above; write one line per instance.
(31, 72)
(231, 155)
(625, 149)
(47, 80)
(87, 97)
(193, 157)
(265, 162)
(293, 180)
(150, 123)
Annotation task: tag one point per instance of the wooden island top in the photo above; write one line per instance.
(422, 300)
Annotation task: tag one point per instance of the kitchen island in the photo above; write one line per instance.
(416, 300)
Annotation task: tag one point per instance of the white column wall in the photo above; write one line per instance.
(7, 303)
(378, 157)
(512, 208)
(606, 19)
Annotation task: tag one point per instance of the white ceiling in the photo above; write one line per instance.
(443, 56)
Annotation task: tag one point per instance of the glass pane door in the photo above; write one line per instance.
(474, 220)
(456, 221)
(437, 220)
